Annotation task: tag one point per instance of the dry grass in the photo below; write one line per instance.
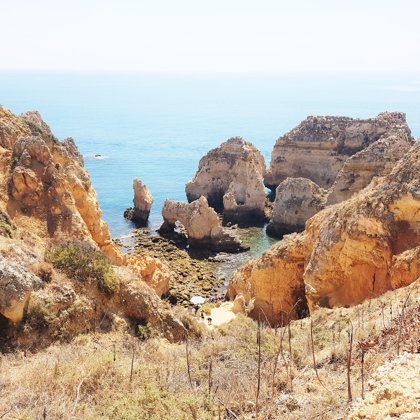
(81, 380)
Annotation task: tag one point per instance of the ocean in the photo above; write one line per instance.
(156, 127)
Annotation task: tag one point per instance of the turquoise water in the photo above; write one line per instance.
(157, 127)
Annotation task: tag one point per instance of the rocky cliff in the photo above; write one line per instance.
(319, 146)
(297, 199)
(47, 198)
(348, 252)
(202, 225)
(230, 177)
(378, 159)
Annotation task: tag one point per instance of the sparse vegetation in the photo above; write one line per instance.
(6, 226)
(84, 263)
(116, 376)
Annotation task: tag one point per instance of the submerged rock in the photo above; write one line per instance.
(202, 225)
(318, 147)
(297, 200)
(230, 177)
(142, 201)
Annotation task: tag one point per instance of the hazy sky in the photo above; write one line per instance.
(211, 35)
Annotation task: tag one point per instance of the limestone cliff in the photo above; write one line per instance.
(319, 146)
(348, 252)
(230, 177)
(378, 159)
(47, 197)
(297, 199)
(203, 226)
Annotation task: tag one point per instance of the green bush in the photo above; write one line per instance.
(84, 263)
(6, 226)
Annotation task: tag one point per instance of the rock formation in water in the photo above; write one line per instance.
(142, 201)
(319, 146)
(46, 198)
(203, 226)
(297, 200)
(230, 177)
(348, 252)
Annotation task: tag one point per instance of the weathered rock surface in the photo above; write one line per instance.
(319, 146)
(16, 285)
(392, 391)
(348, 252)
(230, 177)
(203, 226)
(297, 200)
(271, 285)
(46, 194)
(378, 159)
(142, 201)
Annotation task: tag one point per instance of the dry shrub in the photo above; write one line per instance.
(83, 262)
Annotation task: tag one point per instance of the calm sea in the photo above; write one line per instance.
(157, 127)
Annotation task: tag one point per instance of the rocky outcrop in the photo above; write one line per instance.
(44, 180)
(230, 177)
(153, 272)
(378, 159)
(16, 285)
(203, 226)
(348, 252)
(142, 201)
(392, 391)
(319, 146)
(297, 200)
(272, 284)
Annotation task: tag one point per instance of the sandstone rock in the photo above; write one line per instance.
(378, 159)
(140, 303)
(202, 225)
(349, 252)
(272, 284)
(143, 201)
(36, 124)
(152, 271)
(11, 128)
(405, 268)
(44, 179)
(297, 199)
(230, 177)
(318, 147)
(16, 285)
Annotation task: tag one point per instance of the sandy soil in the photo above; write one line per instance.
(393, 391)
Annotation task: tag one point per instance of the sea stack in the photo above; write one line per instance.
(231, 178)
(203, 226)
(142, 201)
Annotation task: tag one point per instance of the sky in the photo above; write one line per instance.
(223, 36)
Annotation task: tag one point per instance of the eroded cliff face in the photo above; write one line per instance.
(47, 197)
(319, 146)
(230, 177)
(378, 159)
(348, 252)
(297, 199)
(203, 226)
